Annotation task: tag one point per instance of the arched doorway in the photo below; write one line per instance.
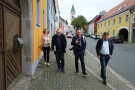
(123, 32)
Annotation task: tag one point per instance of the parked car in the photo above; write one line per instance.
(97, 37)
(117, 39)
(69, 35)
(92, 35)
(87, 35)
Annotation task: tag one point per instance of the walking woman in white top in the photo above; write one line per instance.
(46, 41)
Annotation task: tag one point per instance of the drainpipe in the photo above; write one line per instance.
(130, 22)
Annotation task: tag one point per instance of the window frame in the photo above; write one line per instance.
(38, 13)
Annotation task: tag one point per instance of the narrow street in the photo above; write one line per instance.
(48, 78)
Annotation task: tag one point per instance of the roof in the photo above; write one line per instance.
(125, 5)
(73, 9)
(93, 19)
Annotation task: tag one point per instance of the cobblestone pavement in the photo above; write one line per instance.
(48, 78)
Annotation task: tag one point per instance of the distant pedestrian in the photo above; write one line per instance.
(104, 49)
(46, 41)
(59, 44)
(79, 46)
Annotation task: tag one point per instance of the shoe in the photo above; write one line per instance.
(58, 70)
(48, 64)
(104, 82)
(45, 63)
(85, 75)
(77, 72)
(63, 71)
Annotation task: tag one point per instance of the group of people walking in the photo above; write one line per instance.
(58, 44)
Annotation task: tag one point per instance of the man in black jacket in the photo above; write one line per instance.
(79, 47)
(104, 49)
(59, 45)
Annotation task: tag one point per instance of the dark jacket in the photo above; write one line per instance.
(64, 42)
(99, 46)
(76, 47)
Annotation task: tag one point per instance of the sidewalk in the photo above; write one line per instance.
(47, 78)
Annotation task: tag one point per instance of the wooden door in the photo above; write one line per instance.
(2, 73)
(13, 62)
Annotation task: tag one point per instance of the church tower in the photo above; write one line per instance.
(72, 13)
(72, 16)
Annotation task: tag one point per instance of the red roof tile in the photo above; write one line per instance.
(125, 5)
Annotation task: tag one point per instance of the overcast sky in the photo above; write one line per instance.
(87, 8)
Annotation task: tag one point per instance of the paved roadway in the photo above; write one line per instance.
(122, 61)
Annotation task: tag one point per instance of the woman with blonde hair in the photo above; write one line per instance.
(46, 41)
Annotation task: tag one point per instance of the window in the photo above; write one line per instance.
(104, 24)
(126, 18)
(119, 20)
(113, 21)
(113, 32)
(109, 23)
(43, 19)
(108, 31)
(38, 13)
(134, 18)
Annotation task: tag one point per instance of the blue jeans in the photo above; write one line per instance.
(60, 59)
(104, 59)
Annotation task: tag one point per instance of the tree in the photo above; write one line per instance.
(79, 22)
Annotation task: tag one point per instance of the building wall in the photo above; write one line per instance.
(133, 26)
(91, 28)
(57, 17)
(116, 28)
(51, 17)
(62, 25)
(96, 21)
(38, 31)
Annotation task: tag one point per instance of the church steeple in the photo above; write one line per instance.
(72, 13)
(73, 9)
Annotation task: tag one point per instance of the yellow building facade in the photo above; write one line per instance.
(38, 12)
(114, 25)
(118, 21)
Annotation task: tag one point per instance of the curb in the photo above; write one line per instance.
(128, 83)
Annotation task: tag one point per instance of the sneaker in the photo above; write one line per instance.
(45, 63)
(48, 64)
(85, 75)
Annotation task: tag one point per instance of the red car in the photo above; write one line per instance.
(69, 35)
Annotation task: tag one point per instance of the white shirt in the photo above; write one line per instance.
(105, 48)
(46, 40)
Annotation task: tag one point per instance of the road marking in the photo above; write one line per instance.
(128, 83)
(113, 88)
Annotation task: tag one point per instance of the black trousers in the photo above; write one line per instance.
(46, 51)
(60, 59)
(80, 55)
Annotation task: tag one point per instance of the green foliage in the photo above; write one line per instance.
(79, 22)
